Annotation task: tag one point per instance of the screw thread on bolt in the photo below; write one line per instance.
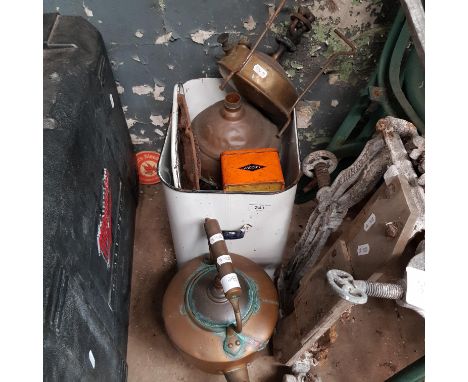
(322, 175)
(384, 290)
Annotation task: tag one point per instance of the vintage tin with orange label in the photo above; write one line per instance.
(147, 163)
(252, 170)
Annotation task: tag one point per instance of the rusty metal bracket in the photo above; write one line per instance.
(371, 243)
(188, 146)
(350, 187)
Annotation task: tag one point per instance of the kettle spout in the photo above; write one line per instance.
(237, 375)
(237, 313)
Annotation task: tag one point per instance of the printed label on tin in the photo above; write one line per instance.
(229, 282)
(215, 238)
(369, 222)
(223, 259)
(363, 249)
(147, 162)
(251, 167)
(260, 71)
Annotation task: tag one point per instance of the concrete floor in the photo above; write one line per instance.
(372, 343)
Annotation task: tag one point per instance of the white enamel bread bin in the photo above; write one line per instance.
(266, 215)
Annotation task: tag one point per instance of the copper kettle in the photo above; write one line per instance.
(230, 124)
(220, 310)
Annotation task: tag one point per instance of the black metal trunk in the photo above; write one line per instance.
(89, 208)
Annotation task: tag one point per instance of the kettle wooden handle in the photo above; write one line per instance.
(220, 256)
(222, 259)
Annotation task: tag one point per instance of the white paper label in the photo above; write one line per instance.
(230, 281)
(260, 71)
(363, 249)
(216, 237)
(369, 222)
(223, 259)
(259, 207)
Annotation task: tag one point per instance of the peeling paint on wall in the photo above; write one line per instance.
(136, 140)
(305, 110)
(157, 92)
(250, 24)
(158, 120)
(136, 58)
(131, 122)
(142, 89)
(140, 36)
(333, 78)
(201, 36)
(87, 11)
(147, 89)
(120, 88)
(164, 39)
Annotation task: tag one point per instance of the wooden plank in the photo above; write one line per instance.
(368, 245)
(316, 307)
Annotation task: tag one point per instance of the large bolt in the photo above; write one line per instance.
(320, 164)
(381, 290)
(322, 175)
(391, 229)
(357, 291)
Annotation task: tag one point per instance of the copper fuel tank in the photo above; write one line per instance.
(220, 310)
(262, 81)
(230, 124)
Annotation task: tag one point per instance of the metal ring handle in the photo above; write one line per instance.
(319, 156)
(342, 284)
(236, 234)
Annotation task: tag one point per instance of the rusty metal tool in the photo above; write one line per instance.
(384, 154)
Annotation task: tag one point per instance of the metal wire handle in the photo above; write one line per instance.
(327, 63)
(252, 51)
(312, 82)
